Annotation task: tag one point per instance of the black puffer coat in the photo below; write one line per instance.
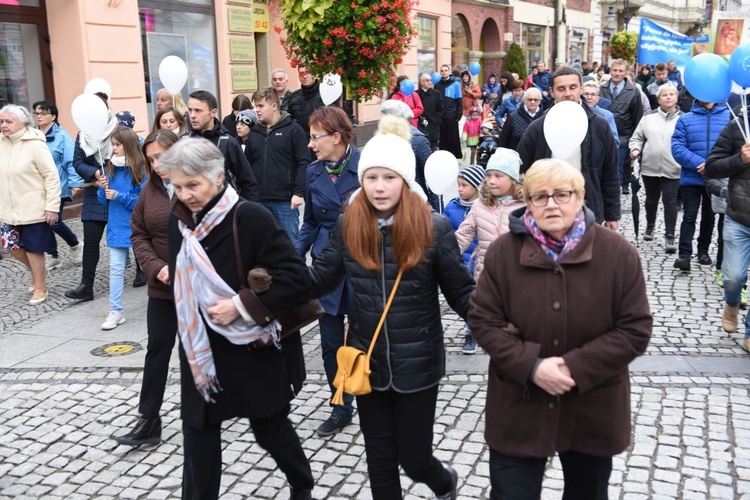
(725, 161)
(409, 355)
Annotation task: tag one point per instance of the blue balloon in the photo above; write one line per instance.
(474, 69)
(739, 65)
(407, 87)
(436, 78)
(707, 78)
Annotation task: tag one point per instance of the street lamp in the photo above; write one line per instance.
(612, 15)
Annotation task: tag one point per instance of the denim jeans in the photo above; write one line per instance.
(117, 259)
(288, 219)
(692, 197)
(331, 338)
(736, 261)
(63, 231)
(623, 155)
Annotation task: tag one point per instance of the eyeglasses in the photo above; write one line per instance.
(315, 137)
(531, 99)
(590, 94)
(38, 113)
(560, 197)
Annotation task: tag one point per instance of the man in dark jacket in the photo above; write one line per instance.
(432, 102)
(730, 157)
(597, 157)
(519, 120)
(307, 99)
(279, 155)
(203, 107)
(450, 88)
(628, 111)
(542, 81)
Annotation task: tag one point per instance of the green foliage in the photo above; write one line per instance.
(624, 45)
(361, 40)
(515, 62)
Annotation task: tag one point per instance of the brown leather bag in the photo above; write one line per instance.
(292, 321)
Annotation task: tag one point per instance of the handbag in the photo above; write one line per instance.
(353, 374)
(10, 237)
(290, 322)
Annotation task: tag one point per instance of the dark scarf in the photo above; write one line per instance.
(335, 169)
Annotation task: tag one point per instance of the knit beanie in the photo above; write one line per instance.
(247, 116)
(390, 149)
(506, 161)
(396, 108)
(126, 119)
(473, 174)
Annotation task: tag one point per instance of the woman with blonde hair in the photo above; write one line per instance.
(164, 99)
(389, 241)
(561, 309)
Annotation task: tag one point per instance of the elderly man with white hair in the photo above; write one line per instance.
(280, 83)
(591, 94)
(519, 120)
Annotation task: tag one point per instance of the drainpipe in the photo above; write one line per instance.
(554, 36)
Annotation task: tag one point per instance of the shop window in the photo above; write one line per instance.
(427, 45)
(21, 79)
(532, 41)
(460, 43)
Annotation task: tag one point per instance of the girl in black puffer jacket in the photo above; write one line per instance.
(388, 227)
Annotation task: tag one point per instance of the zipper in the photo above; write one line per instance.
(385, 301)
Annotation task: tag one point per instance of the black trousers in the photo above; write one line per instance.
(161, 321)
(695, 198)
(666, 189)
(93, 230)
(398, 431)
(512, 478)
(720, 242)
(450, 140)
(201, 472)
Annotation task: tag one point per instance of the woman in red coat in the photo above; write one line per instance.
(561, 309)
(412, 100)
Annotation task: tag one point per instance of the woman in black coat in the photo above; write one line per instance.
(225, 371)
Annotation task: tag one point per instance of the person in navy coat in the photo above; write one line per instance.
(331, 180)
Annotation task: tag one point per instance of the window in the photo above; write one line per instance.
(459, 43)
(426, 45)
(532, 41)
(21, 79)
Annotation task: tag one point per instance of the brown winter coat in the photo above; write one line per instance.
(591, 309)
(149, 235)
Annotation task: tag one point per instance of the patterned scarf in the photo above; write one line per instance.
(335, 169)
(557, 249)
(197, 287)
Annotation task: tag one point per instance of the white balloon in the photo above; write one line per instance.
(330, 88)
(565, 127)
(441, 171)
(173, 74)
(90, 115)
(96, 85)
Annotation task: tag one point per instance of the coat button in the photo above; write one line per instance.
(323, 210)
(551, 406)
(556, 305)
(555, 342)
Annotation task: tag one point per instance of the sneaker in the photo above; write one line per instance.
(743, 298)
(625, 190)
(452, 494)
(719, 278)
(144, 432)
(683, 264)
(53, 263)
(729, 319)
(114, 318)
(669, 244)
(649, 236)
(470, 345)
(704, 260)
(335, 423)
(76, 254)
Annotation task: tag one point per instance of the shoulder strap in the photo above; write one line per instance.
(221, 144)
(237, 255)
(382, 317)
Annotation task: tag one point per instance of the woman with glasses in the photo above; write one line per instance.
(561, 309)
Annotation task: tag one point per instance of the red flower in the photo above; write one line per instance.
(362, 73)
(327, 42)
(277, 29)
(354, 5)
(359, 25)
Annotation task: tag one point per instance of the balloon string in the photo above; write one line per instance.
(743, 99)
(736, 118)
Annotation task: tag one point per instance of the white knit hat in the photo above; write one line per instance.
(389, 149)
(506, 161)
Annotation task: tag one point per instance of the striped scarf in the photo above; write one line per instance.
(197, 287)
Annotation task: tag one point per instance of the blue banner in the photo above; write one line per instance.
(658, 44)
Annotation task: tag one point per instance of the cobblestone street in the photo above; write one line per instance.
(61, 405)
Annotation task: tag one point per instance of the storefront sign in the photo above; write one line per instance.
(244, 78)
(242, 49)
(658, 44)
(261, 17)
(240, 20)
(242, 2)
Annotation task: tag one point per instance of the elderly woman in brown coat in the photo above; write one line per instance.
(561, 308)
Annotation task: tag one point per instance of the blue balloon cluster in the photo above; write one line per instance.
(407, 87)
(707, 78)
(739, 65)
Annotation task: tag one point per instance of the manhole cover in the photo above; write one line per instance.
(117, 349)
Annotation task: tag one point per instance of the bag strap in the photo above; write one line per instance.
(382, 317)
(237, 255)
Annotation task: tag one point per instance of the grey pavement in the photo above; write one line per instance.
(62, 400)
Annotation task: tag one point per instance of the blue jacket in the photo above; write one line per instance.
(508, 106)
(675, 77)
(456, 213)
(86, 167)
(543, 80)
(607, 115)
(61, 146)
(490, 88)
(324, 202)
(694, 137)
(120, 209)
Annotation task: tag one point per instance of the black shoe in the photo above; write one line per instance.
(140, 278)
(625, 189)
(300, 494)
(682, 263)
(452, 494)
(82, 293)
(334, 424)
(669, 244)
(144, 432)
(704, 260)
(649, 236)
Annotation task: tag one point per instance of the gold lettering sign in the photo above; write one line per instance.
(244, 78)
(240, 20)
(242, 49)
(261, 17)
(243, 2)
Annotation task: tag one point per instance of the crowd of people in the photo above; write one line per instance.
(222, 197)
